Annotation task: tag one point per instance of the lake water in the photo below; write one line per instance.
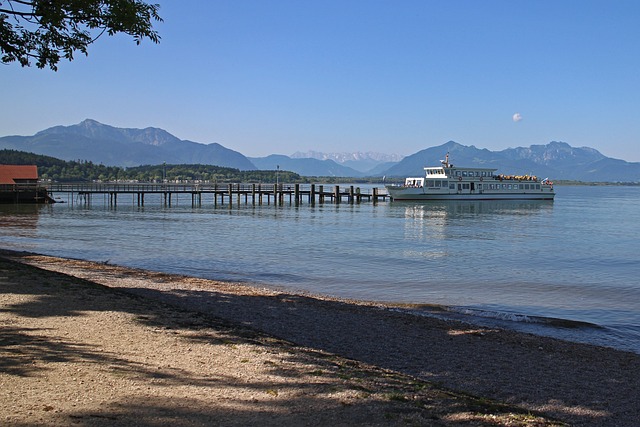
(568, 268)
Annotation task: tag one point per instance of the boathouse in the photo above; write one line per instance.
(19, 184)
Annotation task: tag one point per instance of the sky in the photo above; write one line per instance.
(280, 76)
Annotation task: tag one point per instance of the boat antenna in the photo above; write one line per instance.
(445, 162)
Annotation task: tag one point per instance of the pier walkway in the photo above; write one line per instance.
(219, 193)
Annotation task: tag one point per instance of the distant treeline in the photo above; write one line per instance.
(50, 168)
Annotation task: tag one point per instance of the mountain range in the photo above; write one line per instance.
(362, 162)
(99, 143)
(104, 144)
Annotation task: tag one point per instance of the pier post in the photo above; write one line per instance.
(253, 194)
(351, 194)
(374, 197)
(336, 193)
(321, 191)
(275, 194)
(297, 193)
(312, 194)
(196, 199)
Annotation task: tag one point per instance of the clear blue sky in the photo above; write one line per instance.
(264, 77)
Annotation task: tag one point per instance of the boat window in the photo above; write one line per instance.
(484, 174)
(522, 186)
(537, 186)
(452, 186)
(457, 173)
(526, 186)
(438, 183)
(430, 183)
(504, 186)
(465, 186)
(464, 173)
(444, 184)
(477, 173)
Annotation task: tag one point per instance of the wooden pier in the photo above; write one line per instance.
(220, 193)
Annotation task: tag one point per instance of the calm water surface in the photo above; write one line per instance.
(567, 268)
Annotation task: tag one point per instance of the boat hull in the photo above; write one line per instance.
(408, 194)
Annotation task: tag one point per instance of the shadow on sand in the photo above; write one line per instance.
(377, 349)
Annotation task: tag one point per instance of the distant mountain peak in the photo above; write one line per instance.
(347, 156)
(90, 122)
(100, 143)
(93, 129)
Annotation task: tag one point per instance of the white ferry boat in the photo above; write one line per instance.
(448, 182)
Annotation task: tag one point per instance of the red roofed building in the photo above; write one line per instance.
(18, 174)
(19, 184)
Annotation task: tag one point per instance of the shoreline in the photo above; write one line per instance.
(578, 383)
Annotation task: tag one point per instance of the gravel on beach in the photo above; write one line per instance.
(86, 343)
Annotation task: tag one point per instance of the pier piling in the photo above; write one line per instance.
(252, 193)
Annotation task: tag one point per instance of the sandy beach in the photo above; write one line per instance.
(94, 344)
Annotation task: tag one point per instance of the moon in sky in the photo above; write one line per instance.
(517, 117)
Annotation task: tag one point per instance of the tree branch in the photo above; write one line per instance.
(58, 28)
(15, 13)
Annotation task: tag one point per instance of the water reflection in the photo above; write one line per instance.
(20, 215)
(432, 225)
(452, 208)
(20, 221)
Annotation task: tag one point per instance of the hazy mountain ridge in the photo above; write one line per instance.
(100, 143)
(305, 166)
(93, 129)
(363, 162)
(104, 144)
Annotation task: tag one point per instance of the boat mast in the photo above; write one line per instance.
(445, 162)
